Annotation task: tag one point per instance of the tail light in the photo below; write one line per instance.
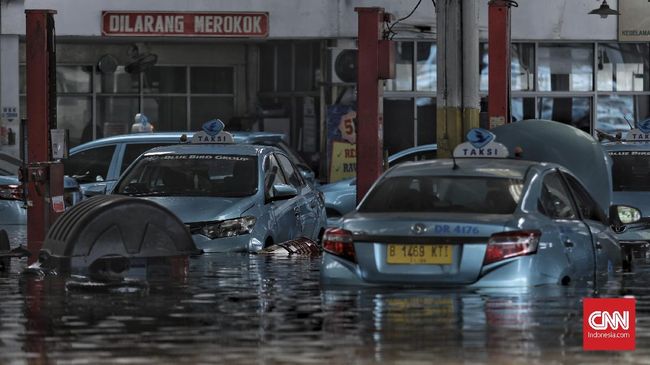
(339, 242)
(11, 192)
(505, 245)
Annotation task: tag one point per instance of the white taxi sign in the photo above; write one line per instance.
(480, 143)
(221, 137)
(212, 133)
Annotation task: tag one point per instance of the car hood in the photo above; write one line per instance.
(336, 186)
(636, 199)
(549, 141)
(204, 209)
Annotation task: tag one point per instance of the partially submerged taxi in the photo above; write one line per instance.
(478, 219)
(631, 184)
(232, 197)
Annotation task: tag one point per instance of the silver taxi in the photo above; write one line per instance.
(473, 222)
(232, 197)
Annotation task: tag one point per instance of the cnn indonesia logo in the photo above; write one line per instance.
(609, 324)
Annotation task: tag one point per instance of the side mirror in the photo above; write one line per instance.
(621, 215)
(282, 192)
(94, 190)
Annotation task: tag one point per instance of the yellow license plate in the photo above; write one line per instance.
(419, 254)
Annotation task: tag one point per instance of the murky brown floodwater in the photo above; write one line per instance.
(240, 309)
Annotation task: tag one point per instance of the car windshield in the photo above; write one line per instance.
(631, 170)
(488, 195)
(191, 175)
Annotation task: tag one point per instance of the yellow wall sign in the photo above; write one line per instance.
(344, 161)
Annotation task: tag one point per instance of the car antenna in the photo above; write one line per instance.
(453, 158)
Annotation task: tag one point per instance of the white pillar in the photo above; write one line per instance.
(9, 91)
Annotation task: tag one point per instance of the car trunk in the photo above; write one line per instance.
(423, 248)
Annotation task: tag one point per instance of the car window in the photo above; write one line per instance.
(133, 150)
(586, 204)
(458, 194)
(554, 201)
(290, 173)
(417, 156)
(191, 175)
(272, 175)
(291, 153)
(90, 165)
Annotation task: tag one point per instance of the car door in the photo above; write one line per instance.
(284, 213)
(309, 204)
(604, 241)
(574, 235)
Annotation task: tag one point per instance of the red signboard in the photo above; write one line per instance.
(199, 24)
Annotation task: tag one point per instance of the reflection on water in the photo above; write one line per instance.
(240, 309)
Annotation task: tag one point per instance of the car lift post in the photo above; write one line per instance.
(499, 66)
(43, 178)
(375, 62)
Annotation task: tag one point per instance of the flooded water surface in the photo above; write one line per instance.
(249, 309)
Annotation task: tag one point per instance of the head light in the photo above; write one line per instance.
(229, 228)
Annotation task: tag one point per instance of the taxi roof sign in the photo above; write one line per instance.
(480, 143)
(639, 134)
(212, 133)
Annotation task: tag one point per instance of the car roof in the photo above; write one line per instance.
(173, 137)
(487, 167)
(412, 150)
(213, 148)
(626, 146)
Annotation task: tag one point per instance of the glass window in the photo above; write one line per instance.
(426, 67)
(398, 124)
(522, 108)
(212, 80)
(484, 195)
(573, 111)
(89, 165)
(403, 68)
(115, 114)
(615, 113)
(166, 113)
(192, 175)
(305, 62)
(290, 173)
(74, 113)
(522, 66)
(586, 204)
(119, 81)
(565, 67)
(267, 67)
(426, 114)
(164, 80)
(74, 79)
(284, 66)
(204, 108)
(631, 170)
(273, 175)
(555, 201)
(623, 67)
(133, 150)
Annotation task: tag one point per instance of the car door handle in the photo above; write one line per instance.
(568, 243)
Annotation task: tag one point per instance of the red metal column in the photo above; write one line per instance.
(38, 123)
(369, 90)
(499, 62)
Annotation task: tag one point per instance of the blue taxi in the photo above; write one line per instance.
(231, 196)
(631, 184)
(479, 219)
